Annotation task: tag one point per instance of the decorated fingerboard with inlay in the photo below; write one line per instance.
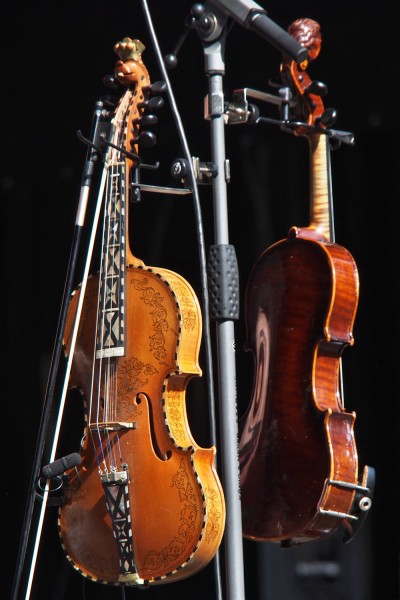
(111, 338)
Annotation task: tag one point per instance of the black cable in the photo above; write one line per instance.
(202, 252)
(199, 222)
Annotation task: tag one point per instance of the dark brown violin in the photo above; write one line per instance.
(298, 455)
(145, 506)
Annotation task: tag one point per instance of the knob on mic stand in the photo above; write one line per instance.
(191, 21)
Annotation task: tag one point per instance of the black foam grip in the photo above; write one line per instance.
(278, 37)
(61, 465)
(223, 282)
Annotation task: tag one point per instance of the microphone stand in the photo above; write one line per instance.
(222, 256)
(224, 288)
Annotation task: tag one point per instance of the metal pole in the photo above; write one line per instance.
(224, 256)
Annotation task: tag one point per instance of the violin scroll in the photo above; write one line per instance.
(309, 107)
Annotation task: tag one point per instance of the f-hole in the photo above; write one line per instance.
(160, 454)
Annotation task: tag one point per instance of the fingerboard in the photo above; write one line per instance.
(321, 217)
(111, 336)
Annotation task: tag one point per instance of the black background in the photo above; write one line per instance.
(54, 57)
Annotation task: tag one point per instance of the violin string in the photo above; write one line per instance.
(111, 362)
(116, 210)
(108, 288)
(96, 433)
(121, 211)
(103, 369)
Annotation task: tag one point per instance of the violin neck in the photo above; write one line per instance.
(321, 202)
(110, 337)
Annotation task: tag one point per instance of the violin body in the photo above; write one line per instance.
(176, 510)
(296, 438)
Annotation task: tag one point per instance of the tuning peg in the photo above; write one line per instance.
(158, 87)
(146, 139)
(154, 103)
(146, 120)
(111, 82)
(328, 117)
(317, 88)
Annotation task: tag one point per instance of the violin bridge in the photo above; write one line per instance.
(112, 426)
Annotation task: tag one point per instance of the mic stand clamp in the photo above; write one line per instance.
(240, 111)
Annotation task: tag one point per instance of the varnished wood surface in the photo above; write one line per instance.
(296, 435)
(177, 504)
